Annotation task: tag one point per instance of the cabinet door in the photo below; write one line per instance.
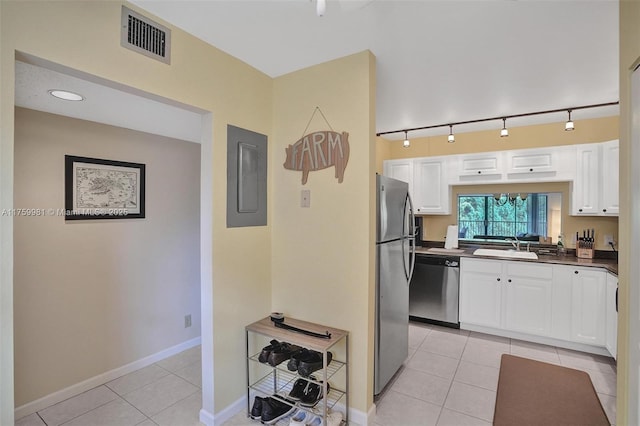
(487, 166)
(528, 298)
(588, 306)
(612, 315)
(481, 284)
(401, 170)
(432, 193)
(561, 290)
(610, 178)
(585, 186)
(531, 161)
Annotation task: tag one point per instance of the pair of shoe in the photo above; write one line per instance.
(269, 410)
(303, 418)
(277, 352)
(306, 361)
(306, 392)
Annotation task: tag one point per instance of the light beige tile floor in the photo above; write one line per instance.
(167, 393)
(449, 379)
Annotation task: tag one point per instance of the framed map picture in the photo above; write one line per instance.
(103, 189)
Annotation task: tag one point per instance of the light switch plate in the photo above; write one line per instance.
(305, 198)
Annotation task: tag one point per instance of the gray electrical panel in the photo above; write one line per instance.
(246, 178)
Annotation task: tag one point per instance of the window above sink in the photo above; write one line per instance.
(502, 216)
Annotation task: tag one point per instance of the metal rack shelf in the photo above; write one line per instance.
(278, 381)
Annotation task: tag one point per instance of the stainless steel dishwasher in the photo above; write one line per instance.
(433, 293)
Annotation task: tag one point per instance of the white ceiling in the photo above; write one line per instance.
(437, 61)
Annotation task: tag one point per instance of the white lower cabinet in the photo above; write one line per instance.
(612, 315)
(588, 306)
(508, 295)
(481, 292)
(528, 297)
(568, 303)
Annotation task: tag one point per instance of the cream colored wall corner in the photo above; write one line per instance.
(629, 55)
(199, 75)
(323, 255)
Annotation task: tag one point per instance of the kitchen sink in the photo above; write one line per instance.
(506, 253)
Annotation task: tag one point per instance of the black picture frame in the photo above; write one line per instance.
(103, 189)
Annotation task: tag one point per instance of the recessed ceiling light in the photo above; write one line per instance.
(66, 95)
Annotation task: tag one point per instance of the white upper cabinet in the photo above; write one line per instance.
(595, 188)
(610, 204)
(431, 189)
(532, 161)
(486, 166)
(400, 169)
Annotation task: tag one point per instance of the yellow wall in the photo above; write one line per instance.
(587, 131)
(199, 75)
(322, 268)
(629, 55)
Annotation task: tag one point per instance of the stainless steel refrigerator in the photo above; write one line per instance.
(395, 258)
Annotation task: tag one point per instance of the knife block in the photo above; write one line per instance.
(584, 253)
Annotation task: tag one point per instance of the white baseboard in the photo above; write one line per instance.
(100, 379)
(229, 411)
(207, 418)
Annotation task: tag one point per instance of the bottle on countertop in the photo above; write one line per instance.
(562, 251)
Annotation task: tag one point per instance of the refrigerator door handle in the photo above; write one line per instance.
(412, 241)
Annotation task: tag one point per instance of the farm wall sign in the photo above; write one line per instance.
(317, 151)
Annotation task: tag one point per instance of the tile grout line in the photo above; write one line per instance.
(94, 408)
(452, 380)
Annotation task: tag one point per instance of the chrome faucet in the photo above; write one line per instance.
(515, 242)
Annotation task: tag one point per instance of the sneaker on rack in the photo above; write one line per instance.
(313, 394)
(301, 418)
(282, 353)
(296, 356)
(274, 409)
(334, 418)
(256, 410)
(312, 362)
(299, 388)
(266, 351)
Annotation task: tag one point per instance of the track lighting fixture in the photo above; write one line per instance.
(406, 142)
(321, 7)
(504, 132)
(568, 126)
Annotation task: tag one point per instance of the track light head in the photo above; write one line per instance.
(504, 132)
(568, 126)
(451, 138)
(321, 7)
(406, 143)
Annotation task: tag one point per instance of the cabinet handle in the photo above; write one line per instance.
(498, 279)
(575, 272)
(530, 170)
(479, 172)
(604, 210)
(509, 280)
(580, 210)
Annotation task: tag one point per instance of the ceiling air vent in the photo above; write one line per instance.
(142, 35)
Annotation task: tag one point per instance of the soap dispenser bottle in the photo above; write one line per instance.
(562, 251)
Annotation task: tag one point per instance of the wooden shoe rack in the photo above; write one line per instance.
(264, 380)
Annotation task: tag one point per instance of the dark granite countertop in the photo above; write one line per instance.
(466, 250)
